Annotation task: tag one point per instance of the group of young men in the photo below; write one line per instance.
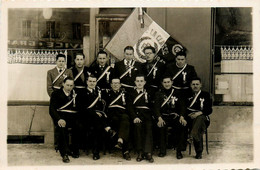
(134, 102)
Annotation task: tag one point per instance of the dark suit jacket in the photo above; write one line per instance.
(172, 70)
(87, 98)
(102, 83)
(140, 113)
(120, 68)
(207, 104)
(151, 79)
(179, 106)
(79, 81)
(59, 99)
(52, 74)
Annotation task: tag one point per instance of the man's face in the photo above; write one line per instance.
(92, 82)
(167, 83)
(60, 62)
(129, 54)
(68, 86)
(195, 85)
(102, 59)
(79, 61)
(149, 55)
(180, 60)
(140, 82)
(115, 84)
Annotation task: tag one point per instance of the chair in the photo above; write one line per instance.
(207, 146)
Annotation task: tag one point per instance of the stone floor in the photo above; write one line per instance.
(39, 154)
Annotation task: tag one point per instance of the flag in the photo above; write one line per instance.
(140, 32)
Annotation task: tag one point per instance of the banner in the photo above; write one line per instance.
(150, 34)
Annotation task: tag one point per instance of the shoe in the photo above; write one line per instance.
(75, 154)
(161, 154)
(119, 145)
(127, 156)
(112, 133)
(198, 155)
(149, 158)
(96, 156)
(139, 157)
(179, 155)
(65, 159)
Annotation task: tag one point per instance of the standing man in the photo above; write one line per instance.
(102, 70)
(127, 69)
(141, 115)
(80, 72)
(181, 72)
(117, 112)
(92, 115)
(199, 109)
(63, 110)
(56, 75)
(169, 108)
(153, 69)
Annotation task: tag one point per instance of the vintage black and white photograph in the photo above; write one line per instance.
(145, 85)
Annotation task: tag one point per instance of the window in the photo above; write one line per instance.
(26, 28)
(76, 28)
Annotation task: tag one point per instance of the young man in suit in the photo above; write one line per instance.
(92, 115)
(199, 109)
(118, 116)
(56, 75)
(141, 115)
(153, 69)
(64, 112)
(102, 70)
(127, 69)
(80, 72)
(170, 109)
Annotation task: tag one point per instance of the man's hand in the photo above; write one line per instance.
(137, 120)
(161, 122)
(99, 114)
(62, 123)
(183, 121)
(194, 115)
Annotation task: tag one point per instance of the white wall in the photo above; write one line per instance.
(27, 82)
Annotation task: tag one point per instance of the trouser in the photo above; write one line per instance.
(62, 133)
(119, 121)
(143, 136)
(93, 130)
(179, 133)
(197, 128)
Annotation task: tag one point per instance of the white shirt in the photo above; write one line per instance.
(138, 91)
(60, 69)
(129, 62)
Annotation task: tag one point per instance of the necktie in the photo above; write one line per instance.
(127, 64)
(60, 70)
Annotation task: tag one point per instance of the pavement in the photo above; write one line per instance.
(40, 154)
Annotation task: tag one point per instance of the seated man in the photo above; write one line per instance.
(199, 107)
(141, 114)
(102, 70)
(56, 75)
(92, 114)
(117, 113)
(169, 108)
(63, 110)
